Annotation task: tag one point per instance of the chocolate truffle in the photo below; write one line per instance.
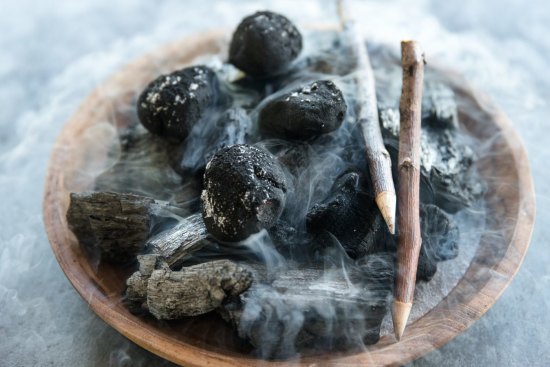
(173, 103)
(244, 192)
(305, 112)
(264, 44)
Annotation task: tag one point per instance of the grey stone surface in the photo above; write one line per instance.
(53, 53)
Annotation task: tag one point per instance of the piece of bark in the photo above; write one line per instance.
(286, 311)
(378, 158)
(195, 290)
(408, 219)
(115, 226)
(176, 244)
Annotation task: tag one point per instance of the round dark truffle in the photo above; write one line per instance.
(305, 112)
(264, 44)
(173, 103)
(244, 192)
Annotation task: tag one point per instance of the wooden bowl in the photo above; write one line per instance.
(208, 340)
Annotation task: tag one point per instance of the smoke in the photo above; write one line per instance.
(59, 52)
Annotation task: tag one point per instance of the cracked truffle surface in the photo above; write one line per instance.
(173, 103)
(264, 44)
(244, 192)
(305, 112)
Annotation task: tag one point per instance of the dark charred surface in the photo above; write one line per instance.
(232, 127)
(295, 309)
(439, 109)
(114, 225)
(348, 216)
(172, 104)
(264, 44)
(244, 192)
(448, 178)
(145, 168)
(349, 213)
(305, 112)
(440, 236)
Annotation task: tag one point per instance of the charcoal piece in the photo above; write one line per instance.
(452, 176)
(176, 244)
(244, 192)
(195, 290)
(145, 168)
(294, 156)
(294, 309)
(264, 43)
(232, 127)
(305, 112)
(349, 213)
(291, 242)
(172, 104)
(115, 226)
(136, 285)
(448, 177)
(440, 233)
(439, 109)
(440, 236)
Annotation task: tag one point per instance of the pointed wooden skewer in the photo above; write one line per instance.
(378, 157)
(408, 219)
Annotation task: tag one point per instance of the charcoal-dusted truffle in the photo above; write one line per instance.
(305, 112)
(244, 192)
(264, 44)
(173, 103)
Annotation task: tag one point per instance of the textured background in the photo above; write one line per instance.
(52, 54)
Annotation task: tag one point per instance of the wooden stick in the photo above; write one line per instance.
(408, 220)
(378, 157)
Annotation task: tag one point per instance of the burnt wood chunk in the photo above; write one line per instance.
(232, 127)
(145, 168)
(115, 226)
(244, 192)
(305, 112)
(296, 308)
(264, 44)
(439, 109)
(440, 236)
(195, 290)
(172, 104)
(136, 285)
(448, 178)
(349, 213)
(179, 242)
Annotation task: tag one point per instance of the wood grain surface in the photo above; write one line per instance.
(207, 340)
